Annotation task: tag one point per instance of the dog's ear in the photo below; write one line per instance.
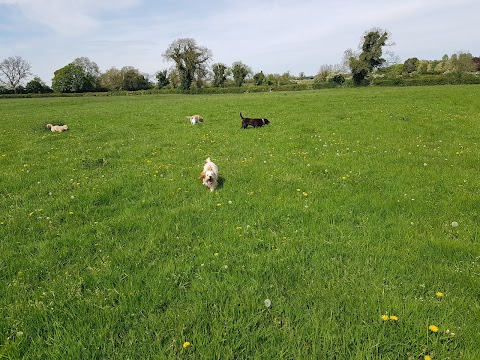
(202, 175)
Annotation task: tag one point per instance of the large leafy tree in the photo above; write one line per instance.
(162, 79)
(37, 86)
(88, 66)
(410, 65)
(189, 58)
(13, 70)
(134, 80)
(240, 72)
(128, 78)
(371, 56)
(220, 72)
(259, 78)
(112, 80)
(90, 69)
(72, 78)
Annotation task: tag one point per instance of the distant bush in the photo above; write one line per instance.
(338, 79)
(445, 79)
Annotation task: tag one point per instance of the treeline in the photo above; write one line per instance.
(190, 73)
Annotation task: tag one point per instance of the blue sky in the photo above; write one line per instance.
(273, 36)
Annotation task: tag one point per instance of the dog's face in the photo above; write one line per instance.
(266, 121)
(209, 176)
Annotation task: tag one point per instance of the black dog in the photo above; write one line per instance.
(253, 122)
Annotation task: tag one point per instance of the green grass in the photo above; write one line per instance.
(339, 212)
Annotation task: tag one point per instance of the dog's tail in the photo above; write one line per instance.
(241, 116)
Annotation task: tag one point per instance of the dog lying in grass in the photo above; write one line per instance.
(255, 122)
(209, 175)
(57, 128)
(195, 119)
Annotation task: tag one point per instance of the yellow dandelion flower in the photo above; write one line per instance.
(433, 328)
(384, 317)
(215, 254)
(439, 294)
(186, 344)
(305, 194)
(219, 204)
(427, 357)
(393, 318)
(71, 212)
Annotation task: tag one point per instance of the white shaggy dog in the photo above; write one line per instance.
(209, 175)
(194, 119)
(57, 128)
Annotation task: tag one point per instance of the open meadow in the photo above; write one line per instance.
(348, 228)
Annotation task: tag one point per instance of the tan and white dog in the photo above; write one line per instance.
(209, 175)
(57, 128)
(195, 119)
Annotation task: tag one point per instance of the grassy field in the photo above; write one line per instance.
(345, 229)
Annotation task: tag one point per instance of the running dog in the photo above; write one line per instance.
(255, 122)
(209, 175)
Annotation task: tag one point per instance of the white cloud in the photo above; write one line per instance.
(68, 17)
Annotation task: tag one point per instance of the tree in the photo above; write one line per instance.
(71, 79)
(90, 69)
(37, 86)
(410, 65)
(200, 74)
(220, 72)
(323, 73)
(476, 63)
(13, 70)
(422, 67)
(465, 63)
(162, 79)
(371, 56)
(133, 80)
(112, 80)
(338, 79)
(128, 78)
(189, 58)
(174, 78)
(259, 78)
(240, 72)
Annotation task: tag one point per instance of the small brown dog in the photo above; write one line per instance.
(194, 119)
(57, 128)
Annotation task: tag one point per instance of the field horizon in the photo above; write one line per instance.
(346, 228)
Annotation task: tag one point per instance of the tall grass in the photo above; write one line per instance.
(345, 208)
